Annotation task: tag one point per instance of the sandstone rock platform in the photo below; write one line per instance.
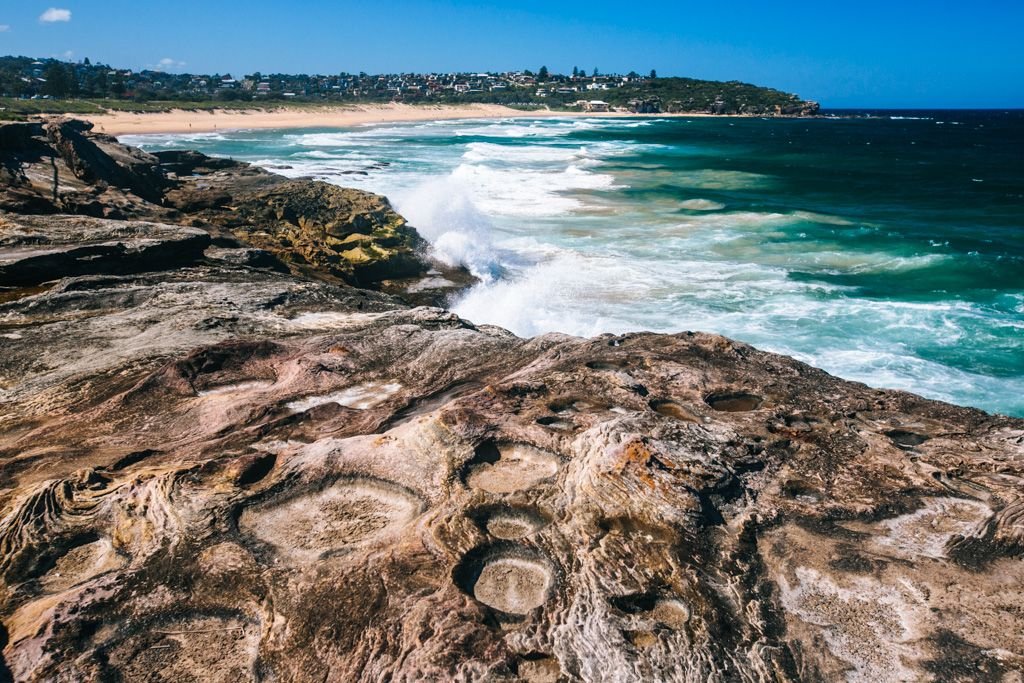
(216, 467)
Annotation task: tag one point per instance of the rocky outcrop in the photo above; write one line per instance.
(799, 109)
(100, 161)
(729, 107)
(353, 235)
(216, 471)
(647, 105)
(33, 251)
(58, 166)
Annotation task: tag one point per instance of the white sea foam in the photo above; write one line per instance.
(701, 205)
(459, 233)
(813, 217)
(347, 138)
(565, 294)
(173, 140)
(542, 153)
(517, 128)
(489, 152)
(337, 154)
(520, 192)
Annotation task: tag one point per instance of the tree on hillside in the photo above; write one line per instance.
(654, 74)
(58, 81)
(12, 84)
(595, 71)
(575, 72)
(96, 84)
(542, 74)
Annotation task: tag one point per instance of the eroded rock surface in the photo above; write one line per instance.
(213, 470)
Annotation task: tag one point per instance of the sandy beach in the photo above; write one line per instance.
(207, 121)
(183, 121)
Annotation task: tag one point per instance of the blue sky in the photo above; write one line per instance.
(910, 53)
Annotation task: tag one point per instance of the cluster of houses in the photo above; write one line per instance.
(512, 87)
(23, 77)
(523, 85)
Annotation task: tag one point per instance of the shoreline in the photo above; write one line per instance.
(180, 121)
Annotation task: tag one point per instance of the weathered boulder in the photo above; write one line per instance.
(800, 109)
(59, 166)
(99, 161)
(349, 234)
(219, 472)
(34, 250)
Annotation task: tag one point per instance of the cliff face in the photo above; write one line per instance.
(214, 469)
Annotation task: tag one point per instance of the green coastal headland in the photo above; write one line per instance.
(30, 86)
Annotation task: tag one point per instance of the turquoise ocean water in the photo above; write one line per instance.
(888, 249)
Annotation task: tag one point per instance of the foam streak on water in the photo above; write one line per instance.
(873, 261)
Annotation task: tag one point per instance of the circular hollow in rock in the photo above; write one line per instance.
(906, 440)
(555, 423)
(348, 513)
(508, 467)
(516, 585)
(671, 612)
(512, 523)
(734, 401)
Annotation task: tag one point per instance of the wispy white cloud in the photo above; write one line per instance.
(54, 15)
(166, 64)
(4, 28)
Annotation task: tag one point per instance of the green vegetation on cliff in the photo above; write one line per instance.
(32, 86)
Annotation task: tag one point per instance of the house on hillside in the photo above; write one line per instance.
(595, 106)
